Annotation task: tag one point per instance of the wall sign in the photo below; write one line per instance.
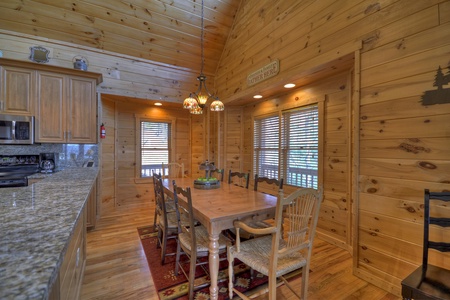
(264, 73)
(441, 95)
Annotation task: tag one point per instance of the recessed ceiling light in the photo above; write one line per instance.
(257, 96)
(158, 104)
(289, 85)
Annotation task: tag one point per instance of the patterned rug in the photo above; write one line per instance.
(175, 286)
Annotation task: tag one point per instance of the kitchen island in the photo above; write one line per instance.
(42, 235)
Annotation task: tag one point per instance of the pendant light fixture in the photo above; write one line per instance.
(196, 101)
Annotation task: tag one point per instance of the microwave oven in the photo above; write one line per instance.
(15, 129)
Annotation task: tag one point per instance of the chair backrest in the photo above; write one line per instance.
(270, 185)
(239, 178)
(434, 219)
(160, 203)
(185, 209)
(220, 173)
(298, 214)
(172, 170)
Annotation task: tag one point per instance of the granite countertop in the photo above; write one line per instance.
(36, 225)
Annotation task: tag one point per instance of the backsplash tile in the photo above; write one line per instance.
(70, 155)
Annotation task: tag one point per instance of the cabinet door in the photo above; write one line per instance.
(51, 109)
(82, 111)
(91, 207)
(17, 91)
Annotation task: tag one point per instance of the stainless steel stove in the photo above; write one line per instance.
(14, 169)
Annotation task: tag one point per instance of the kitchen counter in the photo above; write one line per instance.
(37, 223)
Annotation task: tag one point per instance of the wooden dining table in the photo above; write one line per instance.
(218, 208)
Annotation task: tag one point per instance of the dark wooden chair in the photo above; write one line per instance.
(167, 220)
(239, 179)
(193, 239)
(274, 185)
(429, 281)
(220, 173)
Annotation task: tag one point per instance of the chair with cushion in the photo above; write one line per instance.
(167, 220)
(193, 240)
(274, 254)
(172, 170)
(431, 281)
(239, 179)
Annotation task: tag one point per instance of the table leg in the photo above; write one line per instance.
(214, 264)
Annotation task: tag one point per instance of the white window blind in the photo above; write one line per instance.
(266, 147)
(300, 146)
(293, 155)
(155, 146)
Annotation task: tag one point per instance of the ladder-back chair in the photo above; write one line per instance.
(239, 179)
(268, 185)
(167, 220)
(430, 281)
(193, 240)
(220, 173)
(275, 254)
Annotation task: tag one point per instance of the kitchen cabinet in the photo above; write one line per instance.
(66, 109)
(91, 207)
(63, 101)
(70, 277)
(17, 90)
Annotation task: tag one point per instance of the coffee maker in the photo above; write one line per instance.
(47, 162)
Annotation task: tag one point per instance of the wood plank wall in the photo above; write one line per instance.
(335, 94)
(401, 146)
(120, 117)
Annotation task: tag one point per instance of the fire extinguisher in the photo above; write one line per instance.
(102, 131)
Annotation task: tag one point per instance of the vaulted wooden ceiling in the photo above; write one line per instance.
(166, 32)
(160, 40)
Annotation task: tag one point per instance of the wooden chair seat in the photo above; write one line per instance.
(434, 284)
(431, 281)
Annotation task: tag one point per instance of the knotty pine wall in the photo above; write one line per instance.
(121, 186)
(400, 147)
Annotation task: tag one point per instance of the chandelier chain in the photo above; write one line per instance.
(202, 41)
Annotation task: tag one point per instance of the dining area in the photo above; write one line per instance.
(206, 216)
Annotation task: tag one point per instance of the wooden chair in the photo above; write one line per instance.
(430, 281)
(170, 204)
(243, 180)
(193, 240)
(239, 179)
(269, 185)
(174, 170)
(274, 255)
(167, 220)
(220, 173)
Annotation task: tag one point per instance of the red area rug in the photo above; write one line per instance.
(175, 286)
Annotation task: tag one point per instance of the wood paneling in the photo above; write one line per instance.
(378, 156)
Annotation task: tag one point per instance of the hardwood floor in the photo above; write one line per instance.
(116, 266)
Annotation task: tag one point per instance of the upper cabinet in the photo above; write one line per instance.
(17, 91)
(63, 101)
(66, 109)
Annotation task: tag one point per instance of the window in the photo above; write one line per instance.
(287, 146)
(155, 146)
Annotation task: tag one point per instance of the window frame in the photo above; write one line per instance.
(282, 167)
(172, 139)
